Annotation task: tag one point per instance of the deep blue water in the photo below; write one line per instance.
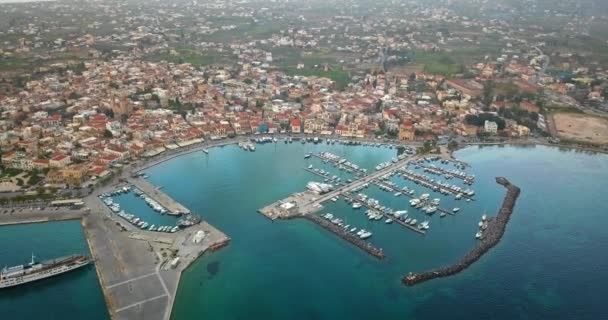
(549, 264)
(73, 295)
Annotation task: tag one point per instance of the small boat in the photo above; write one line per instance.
(455, 210)
(308, 155)
(478, 235)
(205, 151)
(397, 194)
(388, 221)
(484, 217)
(442, 214)
(357, 205)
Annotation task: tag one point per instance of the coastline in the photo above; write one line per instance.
(496, 229)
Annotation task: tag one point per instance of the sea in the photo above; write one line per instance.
(550, 263)
(73, 295)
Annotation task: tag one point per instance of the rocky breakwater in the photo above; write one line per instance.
(344, 234)
(492, 235)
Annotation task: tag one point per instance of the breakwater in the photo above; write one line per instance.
(344, 234)
(492, 235)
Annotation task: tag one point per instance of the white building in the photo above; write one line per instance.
(490, 127)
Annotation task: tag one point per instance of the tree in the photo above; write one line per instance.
(453, 145)
(488, 92)
(108, 134)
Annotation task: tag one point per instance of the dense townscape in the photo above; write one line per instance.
(88, 88)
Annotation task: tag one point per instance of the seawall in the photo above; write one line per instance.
(492, 235)
(342, 233)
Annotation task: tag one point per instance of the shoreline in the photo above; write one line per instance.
(492, 236)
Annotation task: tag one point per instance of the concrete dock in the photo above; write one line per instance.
(38, 216)
(162, 198)
(134, 266)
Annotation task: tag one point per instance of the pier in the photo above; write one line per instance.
(426, 182)
(441, 171)
(388, 187)
(336, 163)
(492, 235)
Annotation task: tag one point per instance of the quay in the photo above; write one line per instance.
(40, 216)
(493, 234)
(173, 207)
(403, 224)
(344, 234)
(139, 270)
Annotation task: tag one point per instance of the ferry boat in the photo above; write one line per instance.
(22, 274)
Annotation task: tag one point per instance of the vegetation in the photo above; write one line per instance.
(522, 116)
(480, 119)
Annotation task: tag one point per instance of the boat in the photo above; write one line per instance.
(455, 210)
(308, 155)
(397, 194)
(353, 230)
(413, 222)
(388, 221)
(442, 214)
(357, 205)
(478, 235)
(483, 217)
(22, 274)
(205, 151)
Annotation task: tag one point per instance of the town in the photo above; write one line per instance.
(111, 93)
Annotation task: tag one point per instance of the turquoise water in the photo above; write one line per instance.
(73, 295)
(549, 265)
(131, 203)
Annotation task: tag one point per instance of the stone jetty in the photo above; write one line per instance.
(344, 234)
(492, 235)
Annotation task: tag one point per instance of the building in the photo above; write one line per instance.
(59, 161)
(407, 131)
(296, 126)
(490, 127)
